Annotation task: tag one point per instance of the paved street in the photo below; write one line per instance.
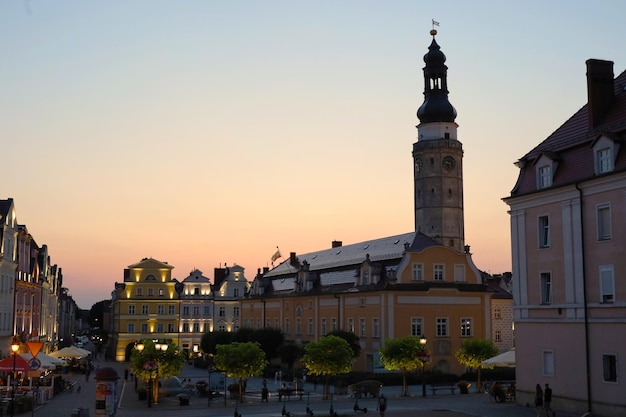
(441, 405)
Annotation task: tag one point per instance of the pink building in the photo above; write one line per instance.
(568, 217)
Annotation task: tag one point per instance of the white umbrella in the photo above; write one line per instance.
(47, 362)
(70, 352)
(504, 359)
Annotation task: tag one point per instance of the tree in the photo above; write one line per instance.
(241, 360)
(211, 340)
(152, 362)
(403, 354)
(351, 338)
(289, 352)
(270, 341)
(95, 315)
(473, 352)
(330, 355)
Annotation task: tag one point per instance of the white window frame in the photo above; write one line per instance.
(544, 176)
(310, 327)
(607, 284)
(439, 272)
(417, 272)
(171, 309)
(145, 310)
(131, 309)
(547, 362)
(442, 327)
(351, 325)
(604, 160)
(323, 329)
(543, 225)
(546, 289)
(417, 326)
(375, 327)
(362, 327)
(467, 330)
(603, 220)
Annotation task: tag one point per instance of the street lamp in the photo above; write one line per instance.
(423, 357)
(14, 348)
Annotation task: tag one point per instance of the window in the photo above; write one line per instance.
(442, 327)
(236, 311)
(207, 311)
(276, 323)
(196, 291)
(221, 327)
(417, 326)
(351, 325)
(160, 309)
(310, 327)
(185, 327)
(139, 291)
(438, 272)
(546, 288)
(604, 222)
(362, 329)
(144, 328)
(171, 309)
(160, 292)
(545, 176)
(131, 327)
(466, 327)
(544, 231)
(222, 312)
(418, 272)
(236, 292)
(548, 362)
(185, 310)
(609, 368)
(160, 327)
(375, 327)
(131, 309)
(196, 310)
(366, 276)
(144, 309)
(298, 326)
(310, 303)
(333, 324)
(607, 284)
(150, 278)
(323, 327)
(497, 313)
(170, 327)
(196, 327)
(604, 160)
(150, 291)
(287, 326)
(498, 335)
(459, 273)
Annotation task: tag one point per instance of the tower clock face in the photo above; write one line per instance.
(448, 163)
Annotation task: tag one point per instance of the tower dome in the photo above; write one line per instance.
(436, 107)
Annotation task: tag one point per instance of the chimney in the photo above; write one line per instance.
(293, 260)
(336, 243)
(600, 89)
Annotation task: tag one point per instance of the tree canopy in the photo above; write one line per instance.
(473, 352)
(240, 360)
(405, 354)
(211, 340)
(330, 355)
(351, 338)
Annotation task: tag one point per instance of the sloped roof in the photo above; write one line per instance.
(572, 143)
(382, 249)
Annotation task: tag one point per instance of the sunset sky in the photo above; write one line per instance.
(204, 133)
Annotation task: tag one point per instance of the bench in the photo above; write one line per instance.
(436, 387)
(288, 392)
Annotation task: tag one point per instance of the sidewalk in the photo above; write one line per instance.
(440, 405)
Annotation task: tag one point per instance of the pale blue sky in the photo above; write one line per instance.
(209, 132)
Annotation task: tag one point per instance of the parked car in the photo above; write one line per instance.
(173, 386)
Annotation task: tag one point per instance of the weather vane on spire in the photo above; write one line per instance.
(433, 31)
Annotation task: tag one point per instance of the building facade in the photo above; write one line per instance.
(567, 218)
(196, 311)
(8, 266)
(422, 283)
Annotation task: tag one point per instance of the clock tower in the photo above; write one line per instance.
(438, 158)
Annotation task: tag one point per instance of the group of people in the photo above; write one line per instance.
(543, 399)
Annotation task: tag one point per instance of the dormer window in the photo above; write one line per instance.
(150, 278)
(545, 176)
(604, 152)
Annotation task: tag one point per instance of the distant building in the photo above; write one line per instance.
(196, 311)
(568, 215)
(421, 283)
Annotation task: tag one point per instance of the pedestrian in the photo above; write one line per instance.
(547, 399)
(382, 405)
(539, 400)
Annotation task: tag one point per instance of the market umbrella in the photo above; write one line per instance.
(47, 362)
(21, 364)
(70, 352)
(504, 359)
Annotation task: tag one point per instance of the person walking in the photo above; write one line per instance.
(539, 400)
(547, 399)
(382, 405)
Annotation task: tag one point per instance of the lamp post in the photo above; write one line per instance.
(423, 357)
(14, 348)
